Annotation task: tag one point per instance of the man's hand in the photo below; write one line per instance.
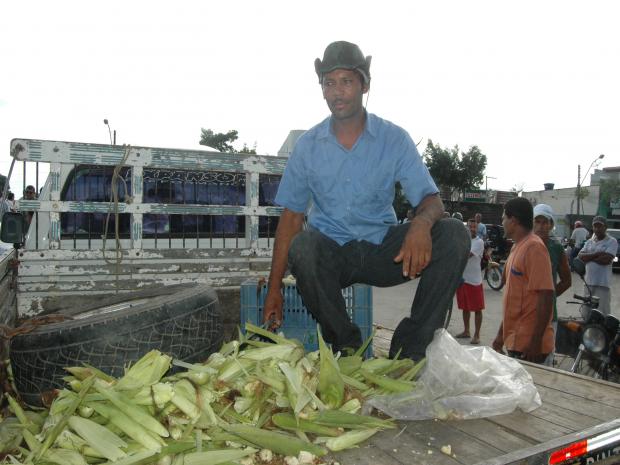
(415, 253)
(272, 312)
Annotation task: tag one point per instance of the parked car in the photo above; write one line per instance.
(615, 266)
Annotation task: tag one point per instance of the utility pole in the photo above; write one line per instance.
(486, 187)
(578, 187)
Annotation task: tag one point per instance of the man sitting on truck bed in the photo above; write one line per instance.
(342, 174)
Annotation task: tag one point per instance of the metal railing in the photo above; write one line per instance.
(168, 198)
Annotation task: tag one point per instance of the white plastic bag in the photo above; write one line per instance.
(461, 382)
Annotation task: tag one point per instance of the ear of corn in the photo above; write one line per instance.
(146, 371)
(241, 397)
(62, 422)
(64, 457)
(349, 420)
(362, 349)
(389, 384)
(98, 437)
(131, 428)
(135, 458)
(287, 421)
(350, 364)
(349, 439)
(18, 411)
(331, 385)
(216, 457)
(134, 411)
(277, 442)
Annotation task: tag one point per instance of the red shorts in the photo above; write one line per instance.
(470, 298)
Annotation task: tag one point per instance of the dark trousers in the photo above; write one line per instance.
(323, 268)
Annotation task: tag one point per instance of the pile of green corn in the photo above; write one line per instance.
(253, 402)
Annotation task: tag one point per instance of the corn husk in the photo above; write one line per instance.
(252, 394)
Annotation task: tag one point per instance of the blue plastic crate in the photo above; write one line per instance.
(298, 322)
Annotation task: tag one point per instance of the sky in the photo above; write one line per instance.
(534, 84)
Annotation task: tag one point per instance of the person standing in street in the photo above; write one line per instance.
(577, 239)
(29, 194)
(481, 229)
(343, 173)
(470, 294)
(526, 330)
(598, 254)
(544, 223)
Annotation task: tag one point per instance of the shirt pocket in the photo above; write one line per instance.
(326, 190)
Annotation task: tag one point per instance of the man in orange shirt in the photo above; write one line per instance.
(526, 329)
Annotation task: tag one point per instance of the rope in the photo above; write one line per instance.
(118, 251)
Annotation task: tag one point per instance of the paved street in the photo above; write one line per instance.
(392, 304)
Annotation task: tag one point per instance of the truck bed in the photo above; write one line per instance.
(573, 406)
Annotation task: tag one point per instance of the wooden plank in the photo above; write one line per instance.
(130, 281)
(582, 386)
(578, 404)
(367, 454)
(144, 254)
(99, 154)
(434, 434)
(565, 418)
(492, 434)
(411, 446)
(529, 427)
(53, 272)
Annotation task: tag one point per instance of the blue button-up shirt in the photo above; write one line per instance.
(348, 194)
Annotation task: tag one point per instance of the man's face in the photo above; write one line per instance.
(473, 228)
(29, 194)
(478, 217)
(599, 230)
(542, 226)
(343, 91)
(508, 224)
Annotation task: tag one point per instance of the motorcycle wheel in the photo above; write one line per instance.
(494, 278)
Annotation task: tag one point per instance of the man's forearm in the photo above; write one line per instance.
(603, 258)
(289, 226)
(544, 310)
(430, 209)
(564, 274)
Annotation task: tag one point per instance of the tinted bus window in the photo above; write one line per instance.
(93, 184)
(193, 187)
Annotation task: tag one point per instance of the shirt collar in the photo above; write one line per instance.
(325, 128)
(596, 239)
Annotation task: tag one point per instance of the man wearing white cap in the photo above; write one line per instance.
(598, 254)
(543, 225)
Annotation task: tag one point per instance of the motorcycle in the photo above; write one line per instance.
(592, 340)
(492, 269)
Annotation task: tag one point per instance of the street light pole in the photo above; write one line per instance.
(578, 187)
(581, 180)
(486, 187)
(112, 141)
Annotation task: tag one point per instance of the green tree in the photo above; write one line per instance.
(454, 170)
(223, 141)
(609, 193)
(400, 203)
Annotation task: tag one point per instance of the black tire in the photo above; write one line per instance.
(494, 278)
(184, 322)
